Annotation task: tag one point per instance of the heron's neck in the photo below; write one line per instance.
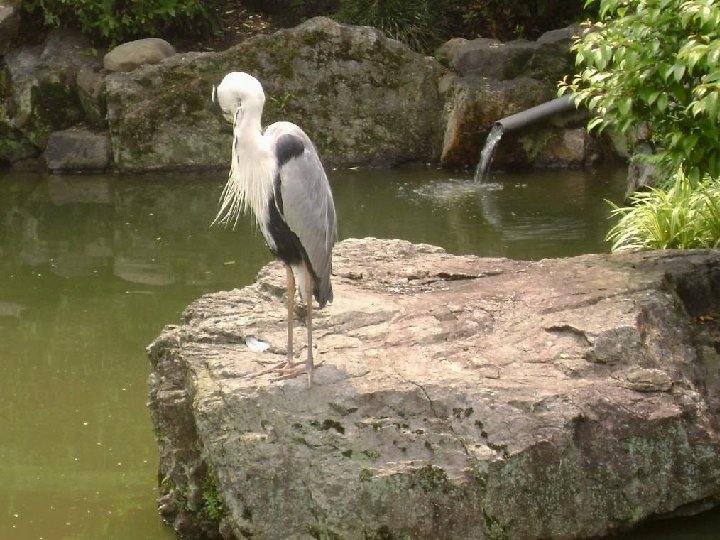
(250, 149)
(249, 129)
(252, 173)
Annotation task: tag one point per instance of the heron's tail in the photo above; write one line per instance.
(325, 294)
(323, 290)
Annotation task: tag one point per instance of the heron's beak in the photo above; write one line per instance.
(217, 109)
(215, 102)
(225, 120)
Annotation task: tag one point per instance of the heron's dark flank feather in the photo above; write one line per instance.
(287, 245)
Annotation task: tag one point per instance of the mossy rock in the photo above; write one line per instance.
(361, 97)
(40, 90)
(14, 146)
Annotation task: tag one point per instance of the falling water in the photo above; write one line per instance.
(483, 166)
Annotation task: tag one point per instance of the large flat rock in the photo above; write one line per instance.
(458, 397)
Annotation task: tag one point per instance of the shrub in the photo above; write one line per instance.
(654, 64)
(113, 21)
(423, 24)
(418, 23)
(685, 216)
(508, 20)
(292, 12)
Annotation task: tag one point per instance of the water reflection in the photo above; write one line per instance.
(152, 232)
(531, 216)
(91, 268)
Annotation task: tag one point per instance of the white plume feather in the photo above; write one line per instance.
(250, 182)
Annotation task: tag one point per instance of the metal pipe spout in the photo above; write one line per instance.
(535, 114)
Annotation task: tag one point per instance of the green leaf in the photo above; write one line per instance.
(595, 123)
(625, 105)
(666, 70)
(678, 71)
(656, 63)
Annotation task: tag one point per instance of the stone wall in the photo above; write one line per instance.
(363, 98)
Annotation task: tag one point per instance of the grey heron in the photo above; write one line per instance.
(276, 173)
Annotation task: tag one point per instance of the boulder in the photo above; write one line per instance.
(494, 80)
(362, 97)
(456, 397)
(473, 105)
(41, 88)
(9, 23)
(14, 146)
(553, 58)
(560, 36)
(489, 58)
(77, 150)
(129, 56)
(90, 83)
(547, 59)
(642, 173)
(565, 147)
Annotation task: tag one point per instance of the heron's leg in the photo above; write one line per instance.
(289, 369)
(290, 312)
(308, 322)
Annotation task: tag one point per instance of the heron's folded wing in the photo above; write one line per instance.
(307, 204)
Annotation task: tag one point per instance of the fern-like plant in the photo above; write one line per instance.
(684, 216)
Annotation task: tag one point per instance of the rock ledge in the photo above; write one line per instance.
(459, 397)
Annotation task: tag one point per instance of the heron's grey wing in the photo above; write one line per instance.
(307, 206)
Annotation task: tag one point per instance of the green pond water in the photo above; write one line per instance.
(91, 268)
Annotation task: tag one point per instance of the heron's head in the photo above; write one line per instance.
(237, 90)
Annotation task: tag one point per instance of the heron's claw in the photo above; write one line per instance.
(286, 370)
(266, 371)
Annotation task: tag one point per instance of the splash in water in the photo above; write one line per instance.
(483, 166)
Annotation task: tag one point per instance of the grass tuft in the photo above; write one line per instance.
(684, 216)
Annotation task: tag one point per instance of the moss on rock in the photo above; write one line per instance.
(360, 96)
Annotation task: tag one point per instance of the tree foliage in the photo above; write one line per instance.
(113, 21)
(422, 24)
(654, 63)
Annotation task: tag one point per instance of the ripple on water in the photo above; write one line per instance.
(450, 190)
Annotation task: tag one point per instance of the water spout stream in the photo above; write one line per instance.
(517, 121)
(483, 166)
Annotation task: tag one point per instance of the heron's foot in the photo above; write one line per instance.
(266, 371)
(286, 370)
(295, 369)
